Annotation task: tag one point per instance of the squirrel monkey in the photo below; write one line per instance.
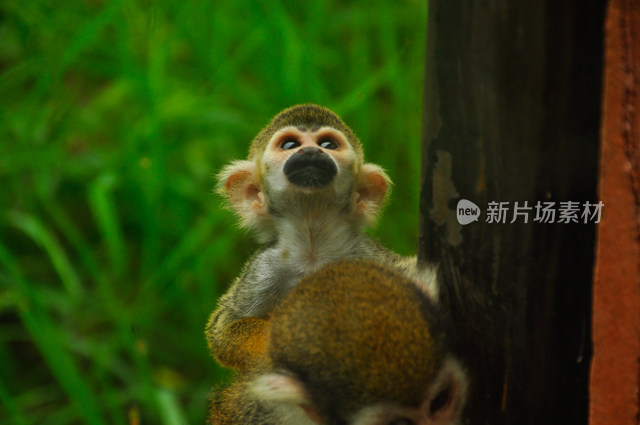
(307, 192)
(354, 343)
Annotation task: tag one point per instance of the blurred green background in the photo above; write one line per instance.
(114, 117)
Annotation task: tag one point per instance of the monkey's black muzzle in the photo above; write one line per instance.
(310, 167)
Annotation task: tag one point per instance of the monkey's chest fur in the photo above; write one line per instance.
(276, 269)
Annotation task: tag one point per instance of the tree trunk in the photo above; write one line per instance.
(512, 107)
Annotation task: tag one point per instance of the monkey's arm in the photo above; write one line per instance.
(236, 344)
(236, 329)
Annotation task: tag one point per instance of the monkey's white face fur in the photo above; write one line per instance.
(443, 403)
(304, 173)
(328, 142)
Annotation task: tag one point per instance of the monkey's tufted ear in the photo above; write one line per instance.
(239, 182)
(284, 388)
(447, 395)
(371, 192)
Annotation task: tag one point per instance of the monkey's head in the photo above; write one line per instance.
(306, 159)
(357, 343)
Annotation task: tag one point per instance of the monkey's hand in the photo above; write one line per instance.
(240, 344)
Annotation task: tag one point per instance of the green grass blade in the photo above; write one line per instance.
(73, 235)
(51, 344)
(363, 91)
(39, 233)
(106, 216)
(86, 35)
(170, 410)
(14, 411)
(188, 246)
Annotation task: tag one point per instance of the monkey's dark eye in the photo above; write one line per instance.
(401, 421)
(289, 143)
(328, 143)
(440, 401)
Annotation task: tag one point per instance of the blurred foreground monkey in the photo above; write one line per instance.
(352, 344)
(307, 193)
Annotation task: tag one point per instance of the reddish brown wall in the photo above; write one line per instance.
(615, 375)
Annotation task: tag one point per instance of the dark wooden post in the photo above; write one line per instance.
(512, 107)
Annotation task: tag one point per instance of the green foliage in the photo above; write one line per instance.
(114, 115)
